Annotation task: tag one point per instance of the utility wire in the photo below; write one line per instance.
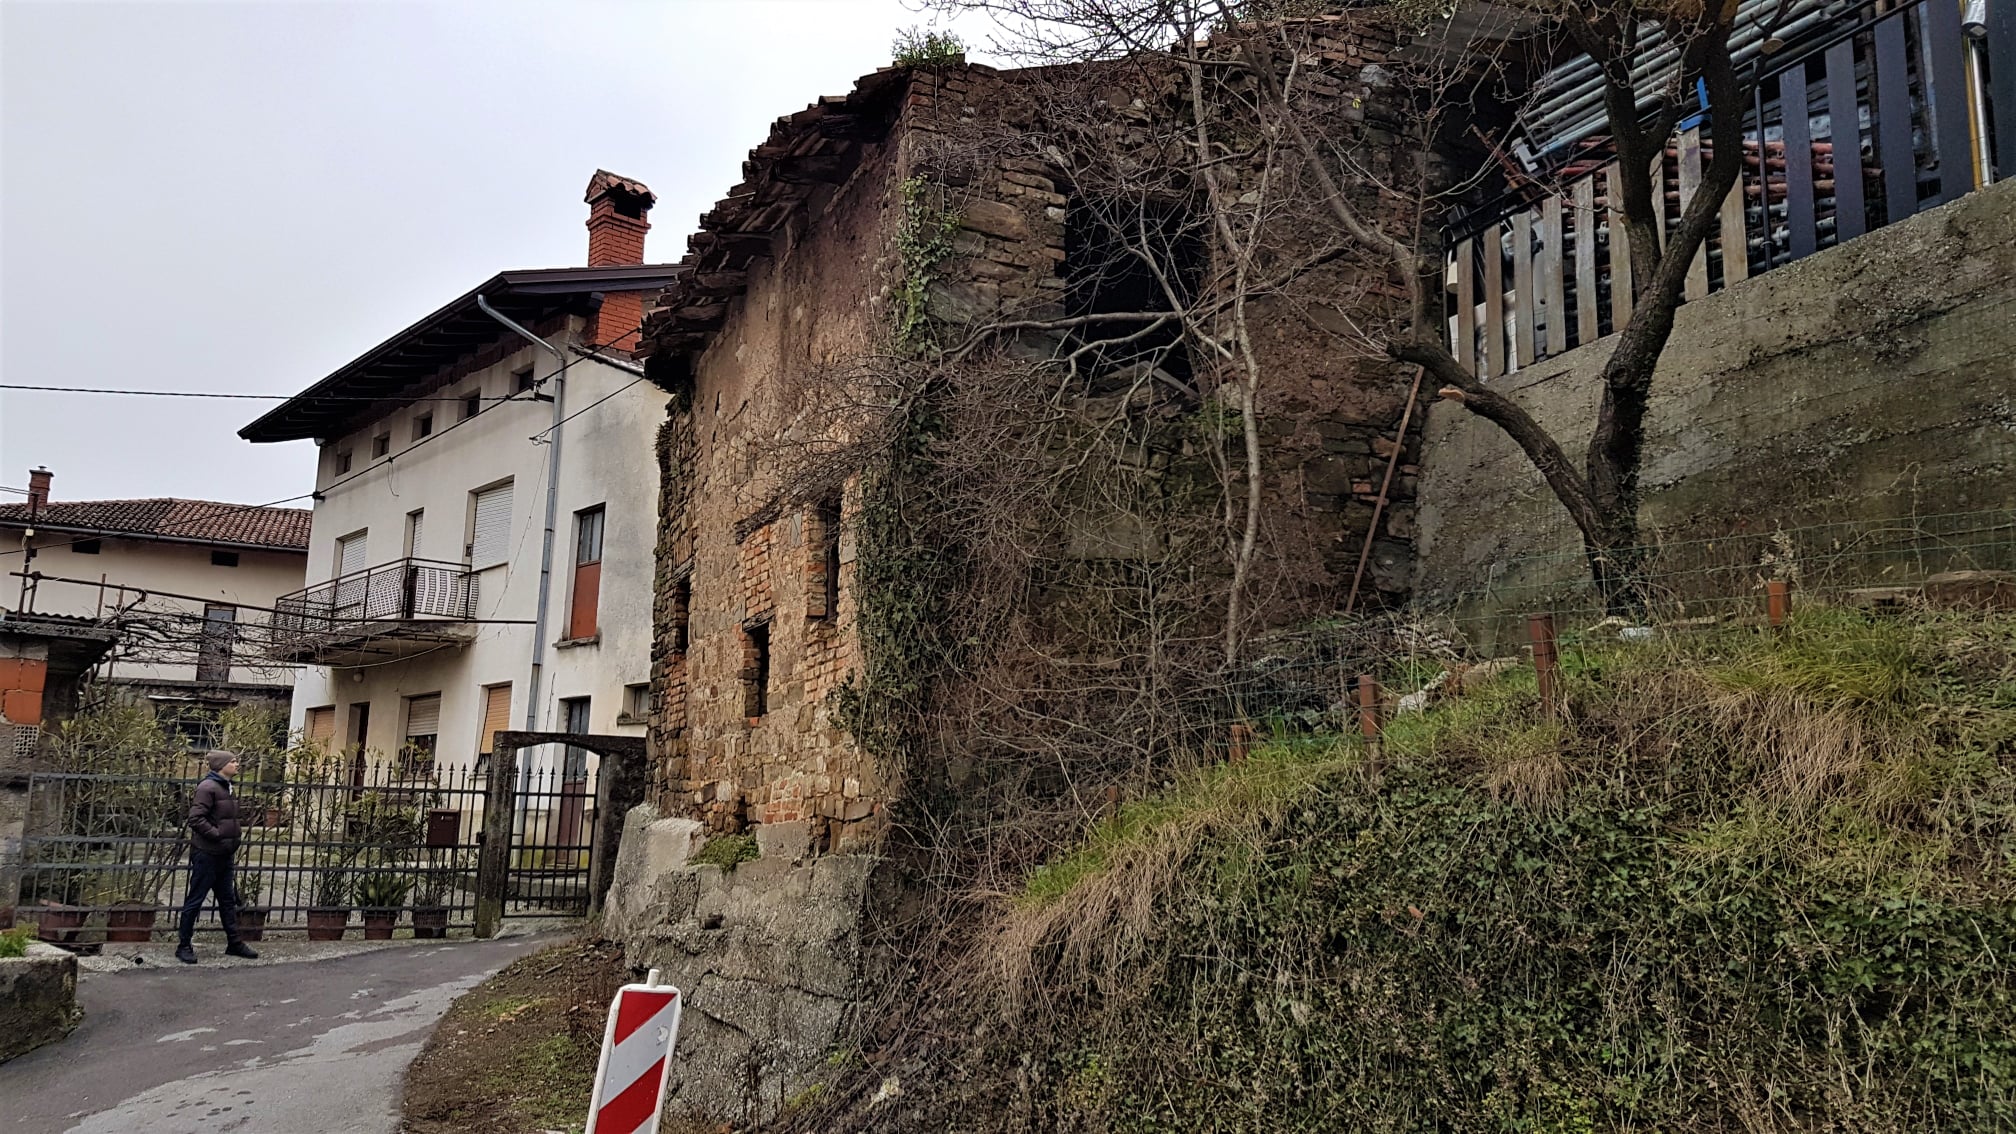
(593, 351)
(240, 397)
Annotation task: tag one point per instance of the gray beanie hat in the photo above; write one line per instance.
(219, 757)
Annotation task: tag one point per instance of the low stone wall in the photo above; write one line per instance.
(767, 953)
(1871, 385)
(38, 999)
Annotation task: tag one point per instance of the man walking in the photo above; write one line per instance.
(213, 840)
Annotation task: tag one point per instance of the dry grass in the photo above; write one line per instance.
(1087, 918)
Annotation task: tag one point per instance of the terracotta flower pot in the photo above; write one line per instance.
(131, 923)
(430, 922)
(60, 923)
(252, 924)
(327, 923)
(272, 817)
(378, 924)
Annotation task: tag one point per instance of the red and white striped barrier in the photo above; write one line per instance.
(636, 1058)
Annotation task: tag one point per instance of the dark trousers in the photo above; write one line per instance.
(210, 874)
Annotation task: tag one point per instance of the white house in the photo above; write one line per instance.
(482, 550)
(183, 582)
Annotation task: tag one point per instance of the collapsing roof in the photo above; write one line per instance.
(817, 146)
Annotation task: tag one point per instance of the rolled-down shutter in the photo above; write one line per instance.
(351, 554)
(490, 543)
(321, 726)
(496, 716)
(423, 716)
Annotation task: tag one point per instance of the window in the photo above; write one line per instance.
(681, 614)
(636, 704)
(587, 572)
(414, 524)
(194, 726)
(318, 728)
(85, 547)
(522, 382)
(223, 559)
(213, 651)
(342, 462)
(574, 718)
(490, 525)
(822, 600)
(496, 717)
(360, 726)
(423, 729)
(381, 445)
(755, 670)
(472, 404)
(423, 426)
(351, 560)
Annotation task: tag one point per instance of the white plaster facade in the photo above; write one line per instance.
(607, 460)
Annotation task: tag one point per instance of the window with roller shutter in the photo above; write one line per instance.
(490, 526)
(587, 573)
(423, 729)
(496, 717)
(319, 728)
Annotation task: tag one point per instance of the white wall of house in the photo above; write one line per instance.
(159, 566)
(608, 459)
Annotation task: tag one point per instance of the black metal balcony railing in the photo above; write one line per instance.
(1868, 122)
(375, 600)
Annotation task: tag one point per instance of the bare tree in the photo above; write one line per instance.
(1254, 51)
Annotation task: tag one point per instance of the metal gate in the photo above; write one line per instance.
(379, 840)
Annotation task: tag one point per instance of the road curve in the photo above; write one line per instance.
(308, 1046)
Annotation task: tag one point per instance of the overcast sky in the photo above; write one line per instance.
(241, 197)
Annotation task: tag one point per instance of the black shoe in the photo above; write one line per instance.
(185, 954)
(240, 949)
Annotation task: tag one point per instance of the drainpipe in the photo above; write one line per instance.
(552, 508)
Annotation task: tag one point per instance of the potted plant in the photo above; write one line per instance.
(251, 914)
(330, 914)
(430, 907)
(381, 895)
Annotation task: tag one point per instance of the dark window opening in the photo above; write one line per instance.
(85, 547)
(521, 382)
(472, 404)
(1117, 255)
(423, 426)
(381, 444)
(756, 670)
(213, 652)
(223, 559)
(824, 601)
(343, 462)
(682, 606)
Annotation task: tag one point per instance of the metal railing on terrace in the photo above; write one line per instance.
(405, 598)
(1878, 117)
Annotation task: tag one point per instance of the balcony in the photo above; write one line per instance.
(383, 613)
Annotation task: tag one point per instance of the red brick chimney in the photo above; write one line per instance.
(619, 212)
(38, 486)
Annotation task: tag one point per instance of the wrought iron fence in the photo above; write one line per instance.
(339, 833)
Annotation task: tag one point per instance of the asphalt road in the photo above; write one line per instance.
(317, 1046)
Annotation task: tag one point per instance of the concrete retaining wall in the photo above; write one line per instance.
(767, 953)
(1873, 382)
(38, 999)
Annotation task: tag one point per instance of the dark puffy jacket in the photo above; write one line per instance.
(213, 816)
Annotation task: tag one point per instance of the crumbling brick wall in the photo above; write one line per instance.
(792, 287)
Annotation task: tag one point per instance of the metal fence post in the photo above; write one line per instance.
(1240, 740)
(1368, 707)
(1778, 602)
(493, 858)
(1540, 629)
